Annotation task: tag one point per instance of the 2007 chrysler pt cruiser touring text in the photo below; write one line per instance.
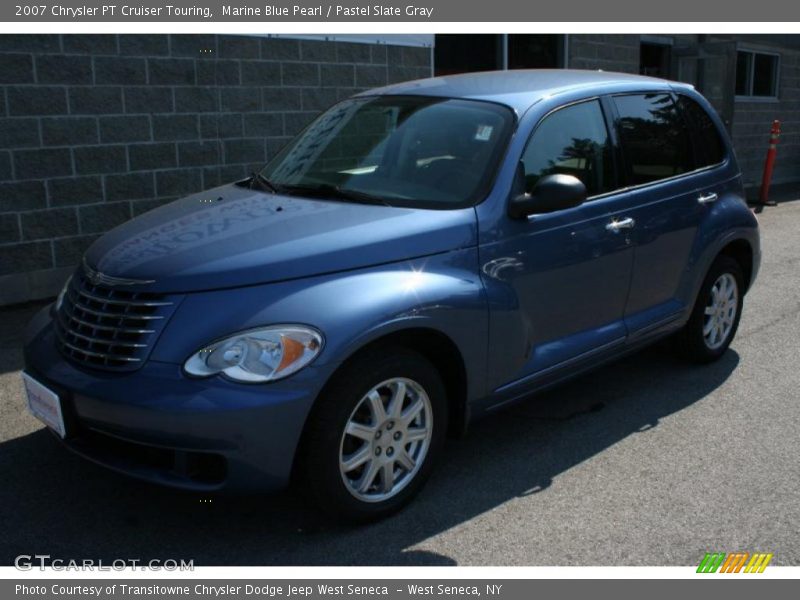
(419, 255)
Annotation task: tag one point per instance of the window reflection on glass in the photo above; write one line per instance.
(571, 141)
(405, 150)
(709, 142)
(654, 137)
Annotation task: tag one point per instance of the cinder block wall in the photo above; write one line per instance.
(609, 52)
(95, 129)
(752, 122)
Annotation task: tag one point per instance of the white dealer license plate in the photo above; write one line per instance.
(44, 404)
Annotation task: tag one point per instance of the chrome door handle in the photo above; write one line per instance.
(626, 223)
(707, 199)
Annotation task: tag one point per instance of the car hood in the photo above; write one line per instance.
(232, 236)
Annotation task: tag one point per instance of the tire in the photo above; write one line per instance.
(695, 342)
(382, 445)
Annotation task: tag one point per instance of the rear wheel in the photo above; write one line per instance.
(374, 437)
(717, 310)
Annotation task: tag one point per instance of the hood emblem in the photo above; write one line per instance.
(97, 278)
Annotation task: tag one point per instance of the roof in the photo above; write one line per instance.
(518, 89)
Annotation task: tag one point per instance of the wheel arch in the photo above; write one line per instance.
(440, 350)
(435, 346)
(741, 251)
(742, 244)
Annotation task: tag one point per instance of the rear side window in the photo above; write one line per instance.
(573, 141)
(654, 137)
(709, 145)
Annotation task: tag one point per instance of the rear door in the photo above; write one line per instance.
(671, 186)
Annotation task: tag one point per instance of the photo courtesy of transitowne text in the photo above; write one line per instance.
(399, 300)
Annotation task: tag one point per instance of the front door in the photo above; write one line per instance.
(557, 283)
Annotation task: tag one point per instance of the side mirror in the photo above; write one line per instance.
(551, 193)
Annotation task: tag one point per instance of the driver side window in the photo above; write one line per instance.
(572, 141)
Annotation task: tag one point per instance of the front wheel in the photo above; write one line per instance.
(715, 317)
(374, 437)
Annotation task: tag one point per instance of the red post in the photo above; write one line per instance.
(769, 165)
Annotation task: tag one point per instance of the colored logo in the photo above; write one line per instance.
(734, 562)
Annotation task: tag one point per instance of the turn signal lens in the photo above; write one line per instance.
(257, 355)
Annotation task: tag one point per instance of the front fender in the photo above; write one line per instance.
(441, 292)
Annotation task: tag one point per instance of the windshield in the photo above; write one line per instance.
(412, 151)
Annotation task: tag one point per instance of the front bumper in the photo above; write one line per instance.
(161, 426)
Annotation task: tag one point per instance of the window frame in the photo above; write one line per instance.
(776, 78)
(616, 184)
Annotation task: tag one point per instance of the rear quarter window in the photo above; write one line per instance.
(708, 142)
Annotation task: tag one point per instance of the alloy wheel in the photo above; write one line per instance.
(386, 439)
(720, 311)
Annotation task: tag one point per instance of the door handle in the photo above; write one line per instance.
(707, 199)
(626, 223)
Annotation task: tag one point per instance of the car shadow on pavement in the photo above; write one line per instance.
(58, 504)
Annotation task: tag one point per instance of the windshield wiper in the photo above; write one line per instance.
(328, 190)
(257, 180)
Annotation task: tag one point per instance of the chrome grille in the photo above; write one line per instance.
(109, 328)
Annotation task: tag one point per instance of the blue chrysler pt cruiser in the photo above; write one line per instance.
(419, 255)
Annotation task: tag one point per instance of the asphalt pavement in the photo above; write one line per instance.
(648, 461)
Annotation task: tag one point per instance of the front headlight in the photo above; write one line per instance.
(61, 294)
(258, 355)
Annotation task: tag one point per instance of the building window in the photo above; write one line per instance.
(458, 53)
(654, 59)
(756, 74)
(535, 51)
(466, 53)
